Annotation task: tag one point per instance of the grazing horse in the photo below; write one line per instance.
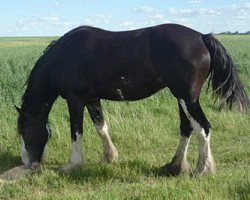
(88, 64)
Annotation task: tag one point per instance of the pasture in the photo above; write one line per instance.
(145, 133)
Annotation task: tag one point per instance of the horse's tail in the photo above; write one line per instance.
(226, 83)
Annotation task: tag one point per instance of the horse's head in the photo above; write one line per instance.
(35, 132)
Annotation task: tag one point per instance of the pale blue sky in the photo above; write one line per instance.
(55, 17)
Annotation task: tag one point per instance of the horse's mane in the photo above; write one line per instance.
(40, 63)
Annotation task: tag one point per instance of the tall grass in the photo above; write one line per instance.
(145, 133)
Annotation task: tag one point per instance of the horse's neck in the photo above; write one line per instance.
(38, 99)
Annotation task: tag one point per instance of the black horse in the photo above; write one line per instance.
(88, 64)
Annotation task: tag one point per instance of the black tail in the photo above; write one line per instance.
(225, 80)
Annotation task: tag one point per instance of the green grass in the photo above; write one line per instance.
(145, 133)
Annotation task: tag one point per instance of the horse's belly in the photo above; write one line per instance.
(131, 91)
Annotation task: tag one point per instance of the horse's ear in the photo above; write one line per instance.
(18, 109)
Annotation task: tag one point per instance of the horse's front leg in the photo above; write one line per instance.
(95, 110)
(76, 107)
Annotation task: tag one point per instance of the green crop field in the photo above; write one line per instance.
(145, 133)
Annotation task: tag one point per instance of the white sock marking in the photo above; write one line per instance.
(205, 160)
(110, 152)
(76, 156)
(181, 151)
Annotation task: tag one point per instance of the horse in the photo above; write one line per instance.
(88, 64)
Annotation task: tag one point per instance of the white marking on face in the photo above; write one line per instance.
(76, 156)
(119, 92)
(24, 153)
(49, 136)
(122, 77)
(205, 159)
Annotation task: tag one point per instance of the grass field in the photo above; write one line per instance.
(145, 133)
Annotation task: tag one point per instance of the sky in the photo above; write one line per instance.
(56, 17)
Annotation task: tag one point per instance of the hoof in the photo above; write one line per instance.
(204, 168)
(173, 169)
(69, 167)
(111, 156)
(35, 165)
(204, 171)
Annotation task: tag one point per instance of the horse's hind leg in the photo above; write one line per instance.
(109, 149)
(179, 162)
(76, 107)
(201, 126)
